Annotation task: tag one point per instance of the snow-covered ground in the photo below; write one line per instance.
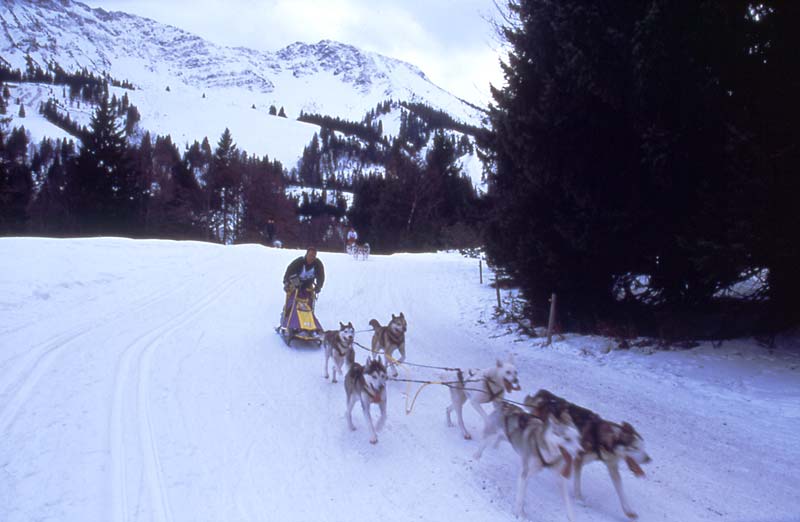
(142, 380)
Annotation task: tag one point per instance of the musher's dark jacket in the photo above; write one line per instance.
(296, 268)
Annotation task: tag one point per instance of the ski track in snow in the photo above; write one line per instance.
(37, 361)
(142, 381)
(139, 420)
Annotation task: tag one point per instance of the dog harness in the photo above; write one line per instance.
(376, 398)
(523, 421)
(493, 395)
(395, 339)
(336, 347)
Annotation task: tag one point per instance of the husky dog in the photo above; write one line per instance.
(552, 442)
(390, 338)
(362, 252)
(366, 384)
(338, 345)
(488, 385)
(601, 440)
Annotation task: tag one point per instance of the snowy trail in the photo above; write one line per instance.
(142, 381)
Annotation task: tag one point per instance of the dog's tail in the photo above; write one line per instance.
(374, 324)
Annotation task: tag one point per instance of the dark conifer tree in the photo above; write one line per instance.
(16, 182)
(565, 154)
(101, 183)
(643, 138)
(225, 187)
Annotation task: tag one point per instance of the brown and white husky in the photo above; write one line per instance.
(601, 440)
(338, 345)
(387, 339)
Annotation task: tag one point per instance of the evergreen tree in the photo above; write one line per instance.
(282, 113)
(49, 211)
(309, 170)
(563, 152)
(602, 172)
(225, 188)
(101, 184)
(273, 111)
(768, 101)
(16, 182)
(132, 118)
(21, 110)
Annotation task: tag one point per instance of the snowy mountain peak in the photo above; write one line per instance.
(355, 66)
(328, 77)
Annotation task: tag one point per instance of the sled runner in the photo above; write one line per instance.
(300, 323)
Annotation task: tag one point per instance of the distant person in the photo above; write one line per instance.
(352, 238)
(270, 231)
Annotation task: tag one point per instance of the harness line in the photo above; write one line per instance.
(494, 396)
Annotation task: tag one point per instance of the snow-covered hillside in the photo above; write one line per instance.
(192, 89)
(176, 115)
(327, 77)
(142, 380)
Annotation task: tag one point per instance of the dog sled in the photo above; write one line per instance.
(297, 318)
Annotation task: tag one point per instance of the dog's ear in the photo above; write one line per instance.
(341, 325)
(402, 316)
(350, 324)
(629, 433)
(394, 317)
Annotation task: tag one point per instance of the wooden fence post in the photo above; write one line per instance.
(497, 289)
(480, 269)
(552, 320)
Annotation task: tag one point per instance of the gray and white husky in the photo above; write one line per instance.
(552, 442)
(366, 384)
(338, 345)
(601, 440)
(389, 338)
(481, 387)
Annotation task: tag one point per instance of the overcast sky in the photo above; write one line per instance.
(452, 41)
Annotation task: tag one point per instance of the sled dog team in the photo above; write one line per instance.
(546, 432)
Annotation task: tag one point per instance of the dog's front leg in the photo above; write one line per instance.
(457, 399)
(522, 484)
(365, 406)
(613, 470)
(327, 357)
(567, 499)
(351, 400)
(477, 405)
(392, 363)
(382, 420)
(577, 468)
(485, 443)
(489, 430)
